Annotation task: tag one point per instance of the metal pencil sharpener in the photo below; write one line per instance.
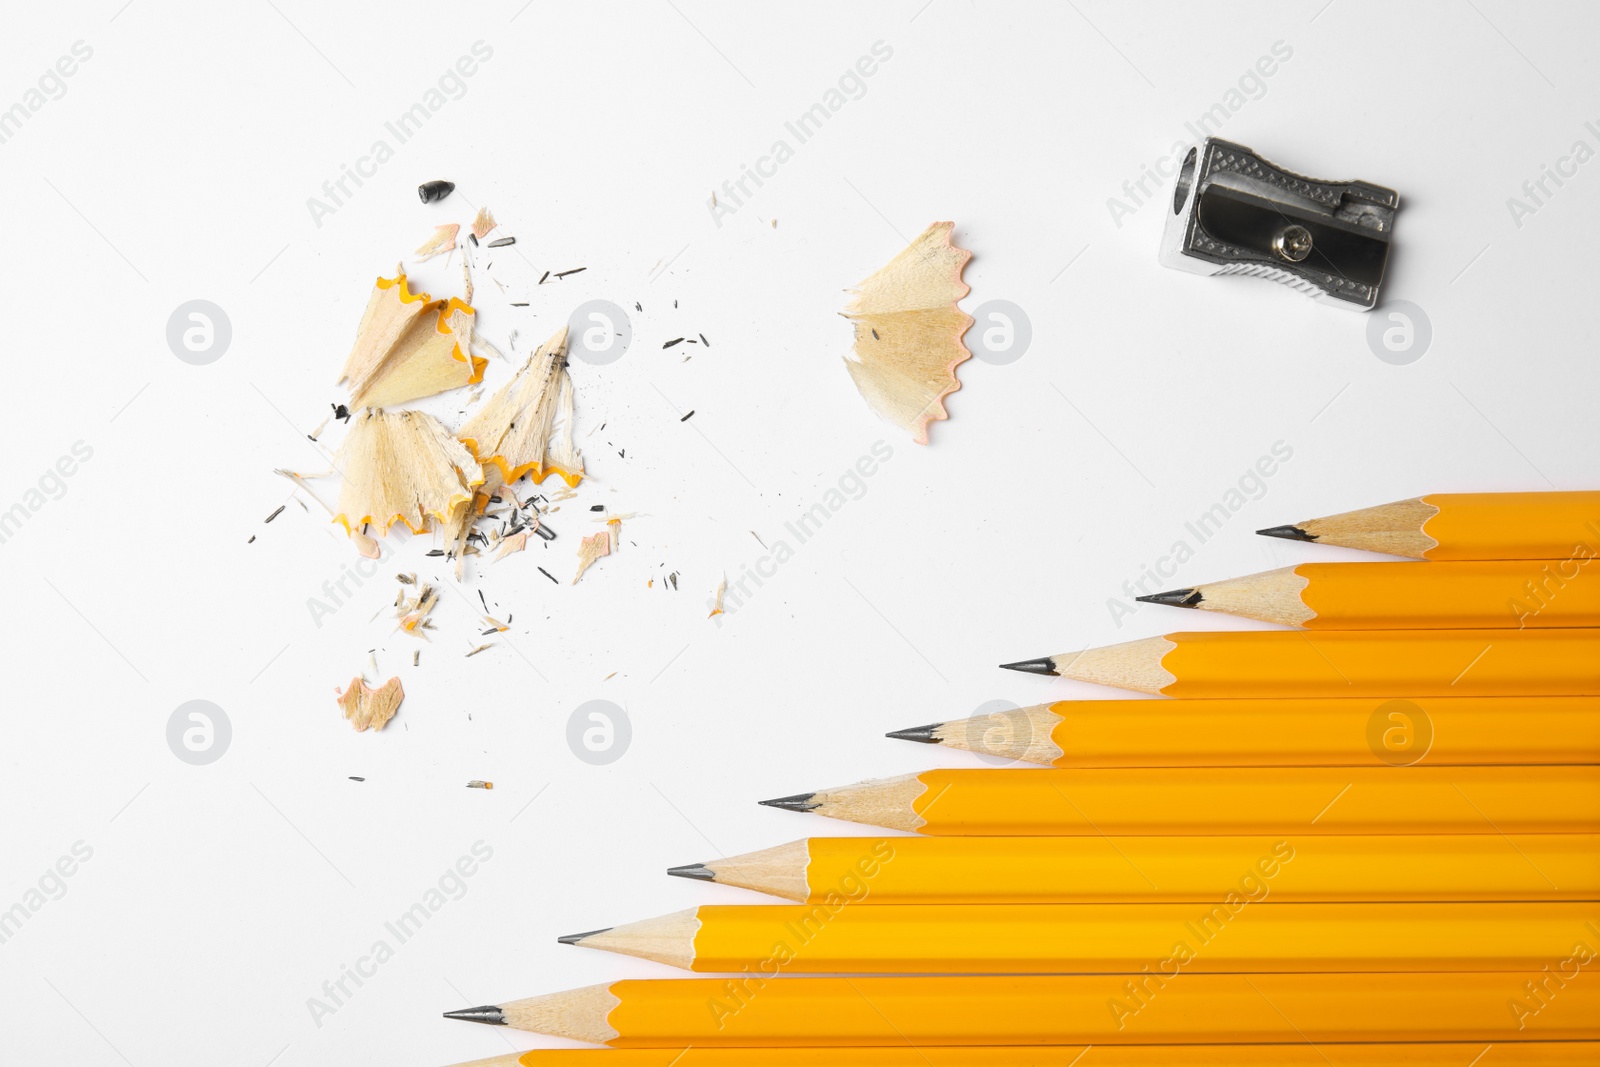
(1235, 213)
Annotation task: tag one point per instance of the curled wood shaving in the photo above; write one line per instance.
(403, 467)
(908, 332)
(369, 708)
(526, 427)
(443, 240)
(595, 547)
(410, 345)
(483, 223)
(515, 543)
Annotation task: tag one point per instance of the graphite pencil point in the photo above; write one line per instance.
(573, 939)
(924, 734)
(1176, 598)
(698, 871)
(798, 802)
(1288, 533)
(1043, 665)
(486, 1013)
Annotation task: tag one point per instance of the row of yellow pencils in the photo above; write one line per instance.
(1372, 839)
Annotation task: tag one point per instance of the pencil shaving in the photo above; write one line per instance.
(369, 708)
(443, 240)
(595, 547)
(526, 427)
(403, 467)
(413, 611)
(483, 223)
(908, 332)
(410, 346)
(509, 545)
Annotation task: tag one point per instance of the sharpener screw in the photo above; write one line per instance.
(1293, 243)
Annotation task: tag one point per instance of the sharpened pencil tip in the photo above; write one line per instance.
(698, 871)
(573, 939)
(1288, 533)
(1043, 665)
(1176, 598)
(487, 1013)
(798, 802)
(925, 734)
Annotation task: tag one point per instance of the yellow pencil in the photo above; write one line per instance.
(1243, 933)
(1095, 869)
(1342, 663)
(1454, 526)
(1301, 1054)
(1010, 802)
(1500, 594)
(1285, 732)
(759, 1010)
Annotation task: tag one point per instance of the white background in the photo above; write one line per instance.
(177, 165)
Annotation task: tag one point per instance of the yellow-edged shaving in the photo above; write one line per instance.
(409, 346)
(526, 427)
(402, 467)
